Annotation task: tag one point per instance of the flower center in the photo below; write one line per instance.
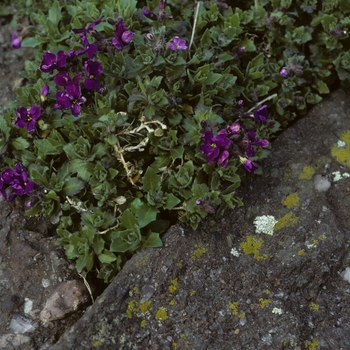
(29, 117)
(91, 76)
(213, 145)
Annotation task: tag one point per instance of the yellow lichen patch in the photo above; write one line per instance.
(161, 314)
(173, 286)
(252, 245)
(292, 200)
(241, 315)
(315, 241)
(198, 252)
(193, 292)
(144, 261)
(234, 308)
(342, 154)
(267, 291)
(173, 346)
(172, 302)
(136, 291)
(320, 237)
(135, 307)
(289, 220)
(301, 252)
(314, 306)
(307, 173)
(182, 336)
(312, 345)
(264, 302)
(143, 323)
(96, 343)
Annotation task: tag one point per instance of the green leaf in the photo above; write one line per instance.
(152, 241)
(48, 146)
(151, 181)
(55, 13)
(72, 186)
(31, 42)
(171, 201)
(146, 214)
(177, 152)
(20, 143)
(98, 244)
(128, 220)
(322, 87)
(106, 257)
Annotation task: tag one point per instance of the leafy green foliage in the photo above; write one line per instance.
(112, 178)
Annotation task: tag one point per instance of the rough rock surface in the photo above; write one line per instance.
(229, 285)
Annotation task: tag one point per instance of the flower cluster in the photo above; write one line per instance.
(235, 140)
(15, 182)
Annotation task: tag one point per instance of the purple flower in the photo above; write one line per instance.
(248, 165)
(71, 98)
(44, 92)
(62, 78)
(88, 48)
(50, 61)
(27, 117)
(16, 41)
(284, 72)
(215, 148)
(92, 69)
(122, 36)
(261, 114)
(17, 179)
(253, 141)
(149, 14)
(177, 44)
(90, 27)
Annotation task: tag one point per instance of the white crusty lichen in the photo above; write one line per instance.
(277, 311)
(235, 252)
(265, 224)
(341, 144)
(338, 176)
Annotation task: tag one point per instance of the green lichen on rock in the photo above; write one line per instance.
(342, 154)
(252, 245)
(161, 314)
(173, 285)
(264, 302)
(288, 220)
(312, 345)
(198, 252)
(292, 200)
(307, 173)
(234, 308)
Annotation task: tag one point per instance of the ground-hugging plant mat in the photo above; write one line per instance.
(265, 276)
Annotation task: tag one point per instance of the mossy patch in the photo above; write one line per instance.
(161, 314)
(312, 345)
(314, 307)
(198, 252)
(292, 200)
(307, 173)
(264, 302)
(342, 154)
(288, 220)
(234, 308)
(252, 245)
(135, 307)
(173, 285)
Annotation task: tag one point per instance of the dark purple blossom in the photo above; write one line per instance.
(177, 44)
(248, 165)
(261, 114)
(88, 48)
(17, 180)
(27, 117)
(62, 78)
(149, 14)
(215, 148)
(44, 92)
(90, 27)
(16, 41)
(50, 61)
(122, 36)
(92, 69)
(253, 141)
(71, 98)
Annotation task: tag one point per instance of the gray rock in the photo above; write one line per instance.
(297, 297)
